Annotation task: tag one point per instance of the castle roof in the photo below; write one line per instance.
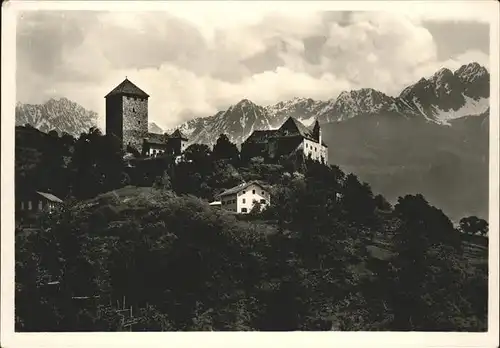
(302, 130)
(158, 139)
(261, 135)
(290, 128)
(128, 88)
(177, 134)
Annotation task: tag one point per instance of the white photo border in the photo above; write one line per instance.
(486, 10)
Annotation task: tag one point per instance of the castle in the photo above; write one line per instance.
(127, 119)
(291, 137)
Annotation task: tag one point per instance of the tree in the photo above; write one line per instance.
(201, 157)
(197, 153)
(163, 182)
(423, 236)
(474, 225)
(54, 134)
(382, 204)
(357, 200)
(97, 164)
(256, 208)
(225, 149)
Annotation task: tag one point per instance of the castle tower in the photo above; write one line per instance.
(127, 114)
(317, 132)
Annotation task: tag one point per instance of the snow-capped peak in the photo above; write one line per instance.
(59, 114)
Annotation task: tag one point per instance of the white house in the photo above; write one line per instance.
(215, 204)
(241, 198)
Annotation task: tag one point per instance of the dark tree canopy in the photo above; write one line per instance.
(474, 225)
(326, 254)
(225, 149)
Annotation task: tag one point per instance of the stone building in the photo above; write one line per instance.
(127, 119)
(291, 137)
(127, 114)
(163, 144)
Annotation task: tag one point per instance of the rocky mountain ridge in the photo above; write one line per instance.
(444, 96)
(61, 115)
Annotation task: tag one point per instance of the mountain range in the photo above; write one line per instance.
(432, 138)
(444, 96)
(61, 115)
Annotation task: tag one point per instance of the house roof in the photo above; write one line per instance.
(127, 88)
(177, 134)
(215, 203)
(50, 197)
(240, 187)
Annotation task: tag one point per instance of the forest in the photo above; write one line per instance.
(137, 247)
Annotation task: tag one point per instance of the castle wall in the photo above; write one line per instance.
(314, 149)
(135, 121)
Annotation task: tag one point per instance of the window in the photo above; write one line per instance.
(139, 123)
(262, 201)
(262, 193)
(253, 192)
(40, 205)
(133, 109)
(306, 145)
(29, 205)
(222, 203)
(243, 200)
(243, 210)
(22, 205)
(243, 192)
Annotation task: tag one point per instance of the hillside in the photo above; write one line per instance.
(448, 165)
(137, 224)
(257, 272)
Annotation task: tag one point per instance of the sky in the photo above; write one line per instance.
(195, 63)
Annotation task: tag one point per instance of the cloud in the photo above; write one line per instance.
(194, 64)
